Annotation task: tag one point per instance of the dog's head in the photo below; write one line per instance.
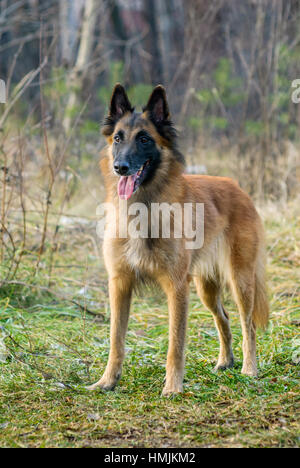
(139, 141)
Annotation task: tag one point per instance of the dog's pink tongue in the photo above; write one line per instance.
(126, 186)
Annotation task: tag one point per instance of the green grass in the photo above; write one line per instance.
(53, 349)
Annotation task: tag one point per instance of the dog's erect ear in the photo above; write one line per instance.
(119, 105)
(159, 114)
(158, 106)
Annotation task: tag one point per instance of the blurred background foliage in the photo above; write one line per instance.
(227, 67)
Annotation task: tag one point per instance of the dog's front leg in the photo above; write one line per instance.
(120, 291)
(178, 308)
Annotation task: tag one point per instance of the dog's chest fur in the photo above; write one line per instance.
(149, 255)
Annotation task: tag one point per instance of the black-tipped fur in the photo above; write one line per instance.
(159, 113)
(119, 105)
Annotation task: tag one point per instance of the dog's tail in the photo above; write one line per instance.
(261, 303)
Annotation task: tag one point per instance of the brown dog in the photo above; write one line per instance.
(142, 164)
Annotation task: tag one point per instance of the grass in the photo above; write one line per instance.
(51, 348)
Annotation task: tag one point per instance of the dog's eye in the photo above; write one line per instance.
(144, 140)
(117, 139)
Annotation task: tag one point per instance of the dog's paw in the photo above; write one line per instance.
(250, 371)
(105, 384)
(104, 387)
(170, 391)
(224, 364)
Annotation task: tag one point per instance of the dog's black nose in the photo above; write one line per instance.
(121, 167)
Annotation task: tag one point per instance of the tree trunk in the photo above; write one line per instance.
(82, 61)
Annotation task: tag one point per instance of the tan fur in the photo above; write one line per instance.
(233, 253)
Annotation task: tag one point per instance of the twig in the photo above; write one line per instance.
(30, 77)
(46, 375)
(50, 291)
(4, 170)
(12, 68)
(50, 164)
(22, 203)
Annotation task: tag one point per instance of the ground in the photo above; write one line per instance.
(51, 348)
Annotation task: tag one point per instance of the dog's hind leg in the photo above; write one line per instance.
(243, 287)
(210, 294)
(120, 291)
